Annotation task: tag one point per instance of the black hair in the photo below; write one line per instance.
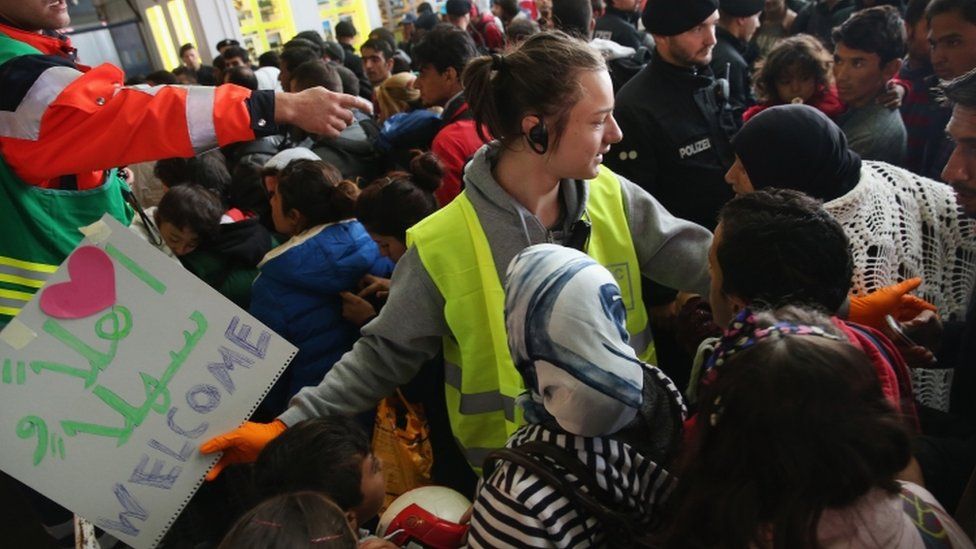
(311, 36)
(294, 56)
(780, 247)
(299, 520)
(380, 45)
(386, 35)
(160, 78)
(345, 29)
(191, 206)
(185, 71)
(424, 7)
(208, 170)
(322, 454)
(334, 50)
(962, 90)
(790, 428)
(392, 204)
(242, 76)
(965, 8)
(573, 17)
(520, 30)
(299, 42)
(237, 51)
(915, 11)
(269, 59)
(220, 63)
(803, 55)
(316, 189)
(537, 77)
(510, 8)
(186, 47)
(247, 190)
(445, 46)
(316, 73)
(878, 30)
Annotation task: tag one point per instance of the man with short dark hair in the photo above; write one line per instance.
(952, 35)
(868, 51)
(241, 76)
(442, 54)
(377, 60)
(346, 33)
(202, 74)
(738, 21)
(235, 56)
(268, 71)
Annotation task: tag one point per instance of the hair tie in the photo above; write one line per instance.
(497, 62)
(743, 333)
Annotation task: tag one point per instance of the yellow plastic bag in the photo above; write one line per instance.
(401, 439)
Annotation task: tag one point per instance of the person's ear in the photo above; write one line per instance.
(891, 68)
(353, 521)
(450, 74)
(530, 121)
(294, 216)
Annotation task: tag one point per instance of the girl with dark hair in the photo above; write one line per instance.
(797, 447)
(796, 70)
(299, 520)
(388, 207)
(297, 291)
(549, 103)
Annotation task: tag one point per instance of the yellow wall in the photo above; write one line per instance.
(265, 24)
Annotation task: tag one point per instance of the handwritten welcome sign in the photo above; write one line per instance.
(112, 376)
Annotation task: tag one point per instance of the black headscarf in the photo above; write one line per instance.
(797, 147)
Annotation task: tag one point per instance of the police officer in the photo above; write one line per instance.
(675, 117)
(738, 21)
(619, 23)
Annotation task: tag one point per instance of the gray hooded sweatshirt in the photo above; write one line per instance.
(409, 330)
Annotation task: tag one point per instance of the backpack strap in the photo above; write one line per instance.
(536, 457)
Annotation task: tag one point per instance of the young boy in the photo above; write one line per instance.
(329, 455)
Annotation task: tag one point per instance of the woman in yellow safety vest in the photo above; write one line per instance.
(549, 106)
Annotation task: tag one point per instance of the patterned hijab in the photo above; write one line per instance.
(567, 334)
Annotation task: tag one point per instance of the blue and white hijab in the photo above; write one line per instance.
(567, 333)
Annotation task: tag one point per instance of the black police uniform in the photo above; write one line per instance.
(819, 20)
(619, 26)
(731, 52)
(677, 129)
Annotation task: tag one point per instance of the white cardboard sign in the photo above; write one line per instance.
(114, 374)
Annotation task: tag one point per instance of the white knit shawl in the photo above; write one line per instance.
(903, 225)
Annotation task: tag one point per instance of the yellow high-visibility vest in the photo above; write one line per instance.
(481, 382)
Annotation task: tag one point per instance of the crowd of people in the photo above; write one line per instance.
(672, 273)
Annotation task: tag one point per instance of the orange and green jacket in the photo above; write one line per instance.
(65, 127)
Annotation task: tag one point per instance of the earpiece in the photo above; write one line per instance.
(538, 137)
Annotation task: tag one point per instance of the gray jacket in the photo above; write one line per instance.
(410, 327)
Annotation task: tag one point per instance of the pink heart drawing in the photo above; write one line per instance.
(91, 287)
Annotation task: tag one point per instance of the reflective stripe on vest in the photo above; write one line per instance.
(25, 275)
(481, 382)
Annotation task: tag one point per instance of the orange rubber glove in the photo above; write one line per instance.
(893, 300)
(242, 445)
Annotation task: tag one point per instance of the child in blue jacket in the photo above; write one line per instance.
(297, 291)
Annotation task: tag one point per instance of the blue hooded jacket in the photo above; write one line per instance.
(296, 294)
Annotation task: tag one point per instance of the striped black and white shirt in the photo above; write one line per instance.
(515, 508)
